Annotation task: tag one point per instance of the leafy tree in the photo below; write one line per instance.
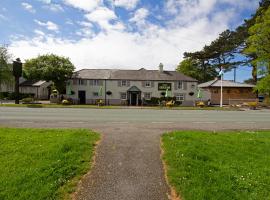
(5, 68)
(259, 44)
(49, 67)
(195, 69)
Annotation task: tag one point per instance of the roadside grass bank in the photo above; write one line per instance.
(43, 163)
(223, 165)
(119, 107)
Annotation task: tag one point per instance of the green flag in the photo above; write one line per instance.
(199, 94)
(167, 94)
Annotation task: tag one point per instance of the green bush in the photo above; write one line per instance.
(27, 100)
(11, 95)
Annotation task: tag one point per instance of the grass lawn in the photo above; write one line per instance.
(43, 163)
(218, 166)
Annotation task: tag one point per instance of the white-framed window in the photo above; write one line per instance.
(95, 82)
(180, 85)
(123, 83)
(123, 96)
(147, 95)
(95, 94)
(82, 82)
(180, 97)
(147, 83)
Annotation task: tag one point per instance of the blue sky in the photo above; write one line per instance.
(119, 33)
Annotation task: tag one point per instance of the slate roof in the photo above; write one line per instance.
(141, 74)
(32, 83)
(225, 83)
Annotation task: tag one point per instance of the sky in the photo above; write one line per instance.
(121, 34)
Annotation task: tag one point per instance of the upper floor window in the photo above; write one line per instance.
(180, 85)
(147, 83)
(123, 83)
(82, 82)
(95, 82)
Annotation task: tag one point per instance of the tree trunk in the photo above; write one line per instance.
(254, 74)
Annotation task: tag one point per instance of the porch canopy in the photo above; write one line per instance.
(134, 89)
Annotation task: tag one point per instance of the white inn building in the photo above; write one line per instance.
(130, 87)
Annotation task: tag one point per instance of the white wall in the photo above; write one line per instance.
(113, 86)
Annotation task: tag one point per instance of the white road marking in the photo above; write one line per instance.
(119, 122)
(161, 122)
(245, 122)
(204, 122)
(72, 122)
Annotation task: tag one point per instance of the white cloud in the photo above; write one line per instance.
(105, 18)
(189, 25)
(39, 32)
(54, 7)
(2, 17)
(85, 24)
(49, 25)
(128, 4)
(140, 16)
(28, 7)
(86, 5)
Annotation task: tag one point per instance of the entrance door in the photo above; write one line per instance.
(82, 97)
(133, 99)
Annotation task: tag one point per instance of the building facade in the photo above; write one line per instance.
(233, 92)
(37, 89)
(130, 87)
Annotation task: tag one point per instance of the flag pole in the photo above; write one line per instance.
(221, 91)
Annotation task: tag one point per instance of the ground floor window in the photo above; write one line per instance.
(147, 95)
(95, 94)
(123, 96)
(180, 97)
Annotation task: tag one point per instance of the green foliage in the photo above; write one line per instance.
(195, 69)
(49, 67)
(5, 69)
(205, 165)
(263, 86)
(42, 164)
(27, 100)
(259, 39)
(259, 44)
(11, 95)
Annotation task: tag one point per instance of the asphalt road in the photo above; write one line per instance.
(128, 164)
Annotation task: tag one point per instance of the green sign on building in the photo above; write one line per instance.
(164, 86)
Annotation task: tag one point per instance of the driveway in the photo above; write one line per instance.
(128, 164)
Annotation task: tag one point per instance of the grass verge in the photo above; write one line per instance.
(43, 163)
(118, 107)
(204, 165)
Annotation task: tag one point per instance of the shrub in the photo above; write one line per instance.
(11, 95)
(66, 102)
(27, 100)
